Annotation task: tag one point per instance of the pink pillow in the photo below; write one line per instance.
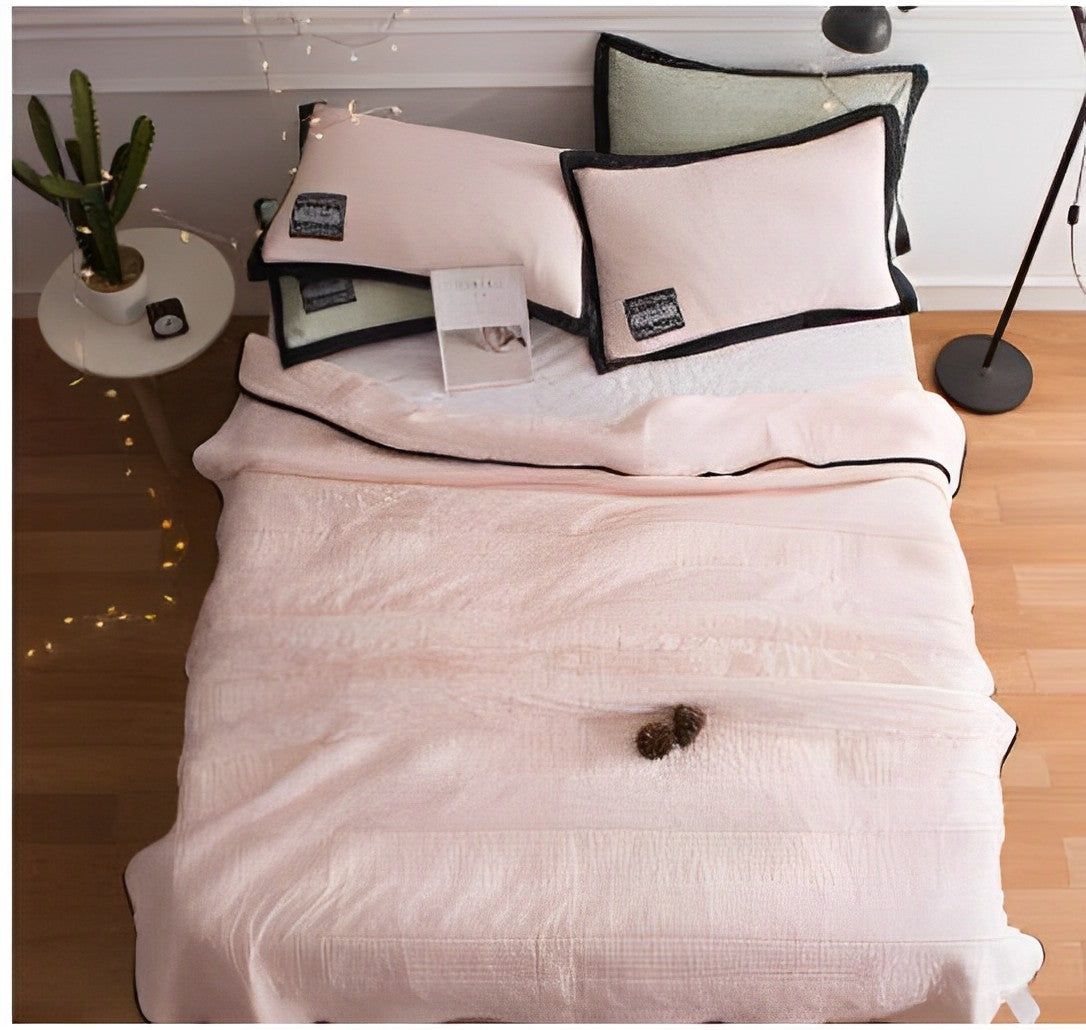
(693, 252)
(420, 198)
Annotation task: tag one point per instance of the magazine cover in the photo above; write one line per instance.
(482, 326)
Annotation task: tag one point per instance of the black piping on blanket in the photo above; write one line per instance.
(1010, 747)
(852, 462)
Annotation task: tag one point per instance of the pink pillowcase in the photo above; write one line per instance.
(420, 198)
(697, 251)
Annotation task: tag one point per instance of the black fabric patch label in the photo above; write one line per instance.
(653, 313)
(318, 215)
(319, 294)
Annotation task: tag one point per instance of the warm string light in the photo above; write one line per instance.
(97, 621)
(174, 547)
(265, 65)
(383, 33)
(354, 116)
(302, 29)
(836, 101)
(78, 273)
(186, 230)
(176, 550)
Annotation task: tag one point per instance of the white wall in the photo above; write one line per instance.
(1005, 86)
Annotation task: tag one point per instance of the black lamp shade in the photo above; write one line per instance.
(859, 30)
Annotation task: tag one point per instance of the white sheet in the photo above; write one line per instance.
(566, 384)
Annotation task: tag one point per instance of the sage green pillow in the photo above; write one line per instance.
(321, 310)
(648, 102)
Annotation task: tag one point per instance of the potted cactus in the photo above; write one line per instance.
(113, 280)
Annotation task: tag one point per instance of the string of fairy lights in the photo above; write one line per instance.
(302, 27)
(173, 548)
(174, 540)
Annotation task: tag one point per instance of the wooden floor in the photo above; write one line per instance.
(112, 557)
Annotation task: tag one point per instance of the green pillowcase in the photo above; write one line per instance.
(648, 102)
(318, 312)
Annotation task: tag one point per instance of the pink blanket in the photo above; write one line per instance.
(410, 789)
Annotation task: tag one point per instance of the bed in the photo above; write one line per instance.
(410, 788)
(438, 761)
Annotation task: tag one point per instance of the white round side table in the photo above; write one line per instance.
(182, 266)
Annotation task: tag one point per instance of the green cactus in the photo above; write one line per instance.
(94, 200)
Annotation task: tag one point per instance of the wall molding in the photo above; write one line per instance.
(152, 22)
(1040, 293)
(188, 49)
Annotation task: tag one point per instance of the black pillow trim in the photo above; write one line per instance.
(255, 268)
(571, 160)
(845, 463)
(342, 341)
(322, 348)
(755, 331)
(310, 269)
(327, 345)
(650, 55)
(260, 270)
(372, 334)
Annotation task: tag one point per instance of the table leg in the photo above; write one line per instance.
(146, 391)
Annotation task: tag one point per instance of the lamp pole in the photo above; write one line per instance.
(986, 374)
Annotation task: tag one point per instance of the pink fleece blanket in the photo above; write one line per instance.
(410, 789)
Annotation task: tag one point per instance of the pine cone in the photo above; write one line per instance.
(655, 740)
(688, 724)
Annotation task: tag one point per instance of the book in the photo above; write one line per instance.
(482, 326)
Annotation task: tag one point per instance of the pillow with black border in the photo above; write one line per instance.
(410, 282)
(321, 310)
(717, 106)
(384, 305)
(864, 283)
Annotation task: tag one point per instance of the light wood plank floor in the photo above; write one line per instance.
(98, 709)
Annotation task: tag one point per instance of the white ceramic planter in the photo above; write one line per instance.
(122, 306)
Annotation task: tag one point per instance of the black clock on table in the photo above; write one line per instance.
(167, 318)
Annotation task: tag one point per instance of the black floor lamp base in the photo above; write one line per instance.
(961, 375)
